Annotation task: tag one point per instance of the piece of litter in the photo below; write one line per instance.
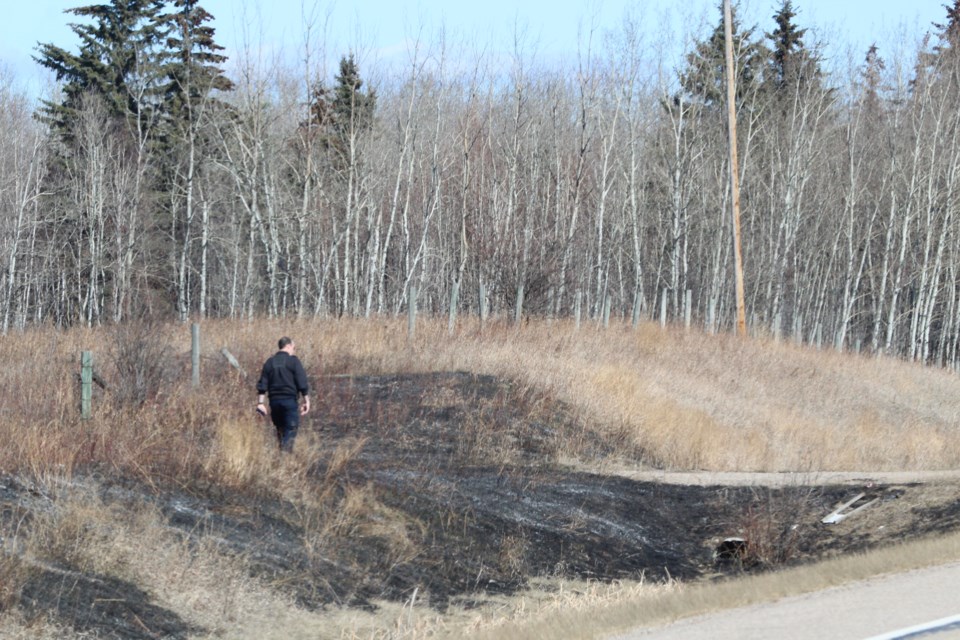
(839, 516)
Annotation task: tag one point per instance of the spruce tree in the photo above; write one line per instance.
(343, 112)
(872, 75)
(704, 77)
(792, 64)
(352, 107)
(940, 60)
(153, 65)
(194, 76)
(117, 61)
(192, 59)
(949, 31)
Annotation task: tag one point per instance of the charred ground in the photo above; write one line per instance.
(454, 486)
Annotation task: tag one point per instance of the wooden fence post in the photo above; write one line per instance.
(606, 311)
(454, 299)
(576, 309)
(483, 305)
(635, 320)
(411, 311)
(195, 354)
(86, 384)
(232, 361)
(712, 316)
(518, 313)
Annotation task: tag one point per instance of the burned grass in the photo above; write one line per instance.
(447, 488)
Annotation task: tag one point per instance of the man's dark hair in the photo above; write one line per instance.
(284, 341)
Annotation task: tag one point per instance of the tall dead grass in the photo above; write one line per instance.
(684, 399)
(694, 401)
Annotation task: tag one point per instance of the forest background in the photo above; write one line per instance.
(153, 182)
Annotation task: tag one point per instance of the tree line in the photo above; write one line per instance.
(154, 183)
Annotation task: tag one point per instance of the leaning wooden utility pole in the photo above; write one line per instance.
(734, 171)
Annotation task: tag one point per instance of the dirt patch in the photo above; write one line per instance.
(455, 490)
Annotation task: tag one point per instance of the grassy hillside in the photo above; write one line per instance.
(685, 400)
(636, 397)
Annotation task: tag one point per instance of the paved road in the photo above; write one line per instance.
(749, 478)
(854, 611)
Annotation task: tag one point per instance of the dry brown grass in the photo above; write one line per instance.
(693, 401)
(685, 399)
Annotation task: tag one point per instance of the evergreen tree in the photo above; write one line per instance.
(949, 31)
(704, 78)
(791, 64)
(352, 108)
(192, 66)
(937, 62)
(117, 61)
(872, 75)
(193, 77)
(341, 113)
(147, 70)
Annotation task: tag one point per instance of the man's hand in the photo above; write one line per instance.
(261, 409)
(305, 407)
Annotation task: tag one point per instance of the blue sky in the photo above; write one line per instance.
(383, 29)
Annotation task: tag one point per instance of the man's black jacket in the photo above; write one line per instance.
(283, 376)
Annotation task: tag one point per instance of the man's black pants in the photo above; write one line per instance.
(285, 413)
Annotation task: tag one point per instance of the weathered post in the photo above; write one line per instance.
(663, 307)
(411, 311)
(518, 314)
(86, 384)
(232, 361)
(636, 309)
(606, 311)
(195, 354)
(688, 308)
(454, 298)
(576, 309)
(483, 305)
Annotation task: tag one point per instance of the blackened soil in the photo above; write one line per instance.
(463, 494)
(100, 605)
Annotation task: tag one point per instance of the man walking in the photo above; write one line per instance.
(283, 378)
